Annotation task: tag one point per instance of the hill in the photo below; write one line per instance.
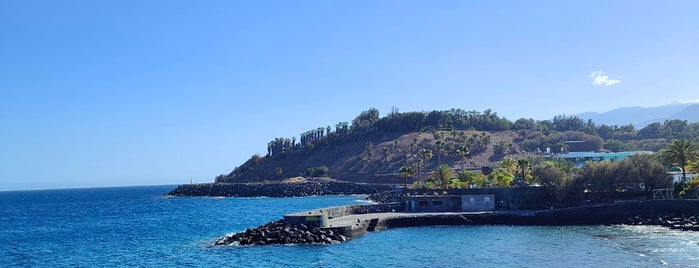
(379, 158)
(374, 149)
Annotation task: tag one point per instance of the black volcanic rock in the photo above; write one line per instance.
(308, 188)
(678, 222)
(281, 233)
(390, 196)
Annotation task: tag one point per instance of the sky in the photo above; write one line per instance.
(117, 93)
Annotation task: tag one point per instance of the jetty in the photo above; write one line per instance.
(338, 224)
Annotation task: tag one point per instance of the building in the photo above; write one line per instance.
(449, 203)
(579, 158)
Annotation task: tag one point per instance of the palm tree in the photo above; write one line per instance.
(508, 164)
(440, 145)
(425, 156)
(407, 172)
(443, 174)
(681, 152)
(523, 164)
(463, 152)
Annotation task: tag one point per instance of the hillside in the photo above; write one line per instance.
(378, 160)
(374, 149)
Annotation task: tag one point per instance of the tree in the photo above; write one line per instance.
(599, 177)
(508, 164)
(407, 172)
(443, 174)
(501, 178)
(691, 189)
(425, 155)
(523, 164)
(386, 153)
(472, 178)
(637, 170)
(440, 149)
(317, 171)
(369, 151)
(616, 145)
(279, 171)
(681, 152)
(693, 166)
(548, 174)
(463, 152)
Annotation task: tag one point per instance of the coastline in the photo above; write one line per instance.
(339, 224)
(353, 221)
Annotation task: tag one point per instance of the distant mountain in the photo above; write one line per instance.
(690, 114)
(640, 117)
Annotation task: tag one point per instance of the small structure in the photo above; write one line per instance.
(662, 194)
(579, 158)
(677, 175)
(449, 203)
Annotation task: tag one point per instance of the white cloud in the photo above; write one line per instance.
(599, 78)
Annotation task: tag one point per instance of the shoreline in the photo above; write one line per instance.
(515, 207)
(315, 227)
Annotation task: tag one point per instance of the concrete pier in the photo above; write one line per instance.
(354, 221)
(337, 224)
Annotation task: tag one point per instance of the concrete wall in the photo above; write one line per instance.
(449, 203)
(315, 220)
(506, 198)
(319, 217)
(432, 203)
(477, 202)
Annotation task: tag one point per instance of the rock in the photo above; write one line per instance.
(278, 189)
(280, 232)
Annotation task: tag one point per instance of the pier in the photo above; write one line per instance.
(338, 224)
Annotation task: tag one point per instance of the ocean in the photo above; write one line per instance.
(139, 227)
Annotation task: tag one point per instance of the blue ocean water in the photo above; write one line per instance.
(137, 226)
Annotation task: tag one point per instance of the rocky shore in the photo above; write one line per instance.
(281, 233)
(677, 222)
(389, 196)
(279, 189)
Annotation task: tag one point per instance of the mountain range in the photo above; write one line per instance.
(639, 117)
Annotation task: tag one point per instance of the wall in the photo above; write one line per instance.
(449, 203)
(432, 203)
(477, 202)
(526, 198)
(319, 217)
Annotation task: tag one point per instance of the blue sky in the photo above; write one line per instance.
(108, 93)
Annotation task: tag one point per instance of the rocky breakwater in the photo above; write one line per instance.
(281, 233)
(279, 189)
(390, 196)
(677, 222)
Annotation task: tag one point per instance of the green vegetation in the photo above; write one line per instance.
(691, 190)
(317, 171)
(680, 152)
(470, 149)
